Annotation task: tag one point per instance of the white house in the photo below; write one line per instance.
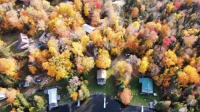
(88, 28)
(52, 98)
(23, 41)
(101, 77)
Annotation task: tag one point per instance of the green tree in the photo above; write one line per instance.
(176, 106)
(23, 101)
(162, 105)
(175, 96)
(188, 90)
(39, 104)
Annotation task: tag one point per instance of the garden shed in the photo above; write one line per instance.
(101, 76)
(147, 85)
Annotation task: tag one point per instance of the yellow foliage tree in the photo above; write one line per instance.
(193, 74)
(170, 58)
(121, 67)
(78, 4)
(53, 47)
(96, 37)
(144, 65)
(32, 69)
(59, 66)
(77, 48)
(87, 63)
(8, 66)
(183, 78)
(74, 96)
(66, 8)
(103, 60)
(86, 9)
(84, 40)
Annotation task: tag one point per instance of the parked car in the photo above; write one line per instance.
(39, 89)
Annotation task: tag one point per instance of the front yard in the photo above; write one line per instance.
(142, 99)
(108, 88)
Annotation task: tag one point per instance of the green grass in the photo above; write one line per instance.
(142, 99)
(108, 88)
(6, 108)
(64, 96)
(11, 43)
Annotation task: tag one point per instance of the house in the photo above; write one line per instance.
(101, 77)
(23, 41)
(52, 98)
(147, 85)
(88, 28)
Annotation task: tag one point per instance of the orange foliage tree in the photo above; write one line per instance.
(126, 96)
(11, 95)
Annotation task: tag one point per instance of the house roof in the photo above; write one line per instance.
(147, 85)
(101, 73)
(52, 96)
(23, 38)
(88, 28)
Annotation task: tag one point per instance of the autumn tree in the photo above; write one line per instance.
(8, 66)
(88, 63)
(59, 66)
(40, 104)
(74, 96)
(11, 95)
(126, 96)
(170, 58)
(162, 105)
(192, 73)
(144, 65)
(183, 78)
(123, 70)
(32, 69)
(77, 48)
(103, 60)
(96, 37)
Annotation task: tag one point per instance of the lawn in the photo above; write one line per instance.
(62, 91)
(108, 88)
(6, 108)
(142, 99)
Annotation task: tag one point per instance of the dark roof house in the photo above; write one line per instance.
(147, 85)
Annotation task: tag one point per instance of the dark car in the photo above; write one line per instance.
(38, 80)
(39, 89)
